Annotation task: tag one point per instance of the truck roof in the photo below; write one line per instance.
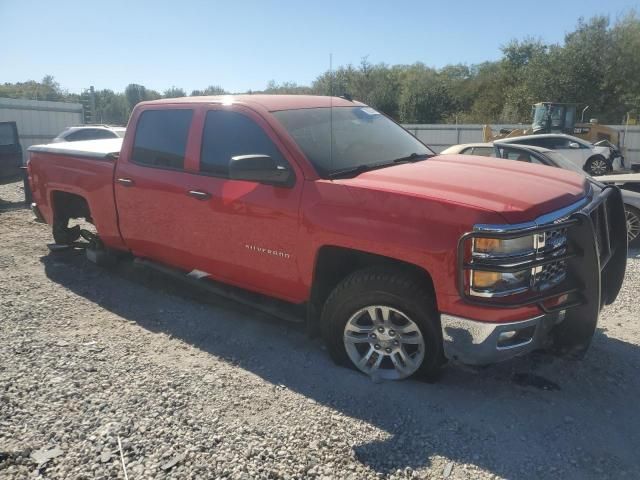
(271, 103)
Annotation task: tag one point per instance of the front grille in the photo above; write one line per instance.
(551, 275)
(553, 243)
(555, 240)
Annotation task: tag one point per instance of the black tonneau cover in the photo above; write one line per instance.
(95, 149)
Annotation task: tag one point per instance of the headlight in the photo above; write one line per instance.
(490, 258)
(493, 247)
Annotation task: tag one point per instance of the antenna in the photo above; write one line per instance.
(331, 110)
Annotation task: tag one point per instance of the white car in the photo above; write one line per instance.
(89, 132)
(592, 159)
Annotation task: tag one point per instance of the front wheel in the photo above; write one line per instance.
(633, 226)
(597, 165)
(384, 324)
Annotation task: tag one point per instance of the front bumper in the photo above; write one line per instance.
(481, 343)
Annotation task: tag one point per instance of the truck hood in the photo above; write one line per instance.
(520, 192)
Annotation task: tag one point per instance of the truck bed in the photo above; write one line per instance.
(619, 178)
(96, 149)
(84, 169)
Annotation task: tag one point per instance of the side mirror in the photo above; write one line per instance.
(574, 145)
(261, 169)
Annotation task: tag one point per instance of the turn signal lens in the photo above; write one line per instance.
(486, 245)
(503, 248)
(485, 279)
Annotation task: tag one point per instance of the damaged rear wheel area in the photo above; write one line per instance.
(67, 206)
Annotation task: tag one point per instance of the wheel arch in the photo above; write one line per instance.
(67, 205)
(334, 263)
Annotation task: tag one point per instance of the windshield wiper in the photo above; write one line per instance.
(358, 169)
(414, 157)
(352, 171)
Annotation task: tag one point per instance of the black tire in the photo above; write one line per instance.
(594, 165)
(634, 242)
(392, 288)
(63, 235)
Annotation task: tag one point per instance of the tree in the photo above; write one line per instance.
(174, 92)
(111, 108)
(424, 96)
(286, 88)
(625, 68)
(135, 94)
(138, 93)
(210, 90)
(46, 89)
(596, 65)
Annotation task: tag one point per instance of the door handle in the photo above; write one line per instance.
(199, 195)
(125, 182)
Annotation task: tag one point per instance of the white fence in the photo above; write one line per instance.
(39, 121)
(441, 136)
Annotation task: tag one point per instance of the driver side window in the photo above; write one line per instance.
(228, 134)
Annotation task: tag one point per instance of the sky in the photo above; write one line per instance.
(241, 44)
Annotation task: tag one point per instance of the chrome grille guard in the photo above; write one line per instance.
(596, 243)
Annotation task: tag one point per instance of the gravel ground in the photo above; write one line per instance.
(200, 387)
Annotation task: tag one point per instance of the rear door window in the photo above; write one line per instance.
(89, 134)
(103, 133)
(228, 134)
(483, 151)
(553, 143)
(161, 138)
(77, 136)
(519, 155)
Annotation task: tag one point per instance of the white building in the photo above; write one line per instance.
(39, 121)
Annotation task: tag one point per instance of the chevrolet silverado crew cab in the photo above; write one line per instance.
(401, 259)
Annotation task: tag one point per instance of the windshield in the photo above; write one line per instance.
(539, 117)
(361, 137)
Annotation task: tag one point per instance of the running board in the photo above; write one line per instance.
(271, 306)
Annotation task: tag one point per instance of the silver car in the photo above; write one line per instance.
(593, 159)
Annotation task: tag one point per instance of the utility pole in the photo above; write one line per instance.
(88, 100)
(92, 103)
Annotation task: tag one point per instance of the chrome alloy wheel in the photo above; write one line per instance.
(384, 342)
(633, 225)
(599, 166)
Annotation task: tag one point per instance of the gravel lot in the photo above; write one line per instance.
(200, 387)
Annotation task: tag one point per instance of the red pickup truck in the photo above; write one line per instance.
(402, 258)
